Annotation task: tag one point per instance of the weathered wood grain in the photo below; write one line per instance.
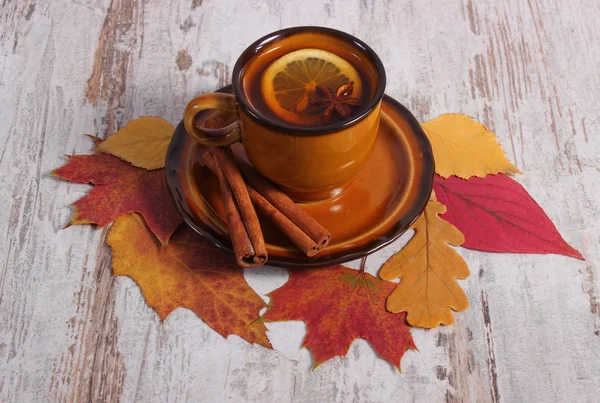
(69, 331)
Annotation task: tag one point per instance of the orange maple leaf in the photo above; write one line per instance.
(120, 189)
(190, 273)
(338, 305)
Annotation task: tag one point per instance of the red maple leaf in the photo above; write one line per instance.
(496, 214)
(338, 305)
(120, 189)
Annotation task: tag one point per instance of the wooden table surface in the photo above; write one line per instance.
(70, 331)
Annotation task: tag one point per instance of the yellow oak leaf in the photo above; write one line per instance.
(428, 267)
(143, 142)
(465, 148)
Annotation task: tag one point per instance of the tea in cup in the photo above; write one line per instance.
(307, 101)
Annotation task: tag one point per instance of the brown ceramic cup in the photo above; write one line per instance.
(309, 163)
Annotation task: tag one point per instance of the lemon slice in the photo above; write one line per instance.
(289, 83)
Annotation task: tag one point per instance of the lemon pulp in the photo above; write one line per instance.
(289, 83)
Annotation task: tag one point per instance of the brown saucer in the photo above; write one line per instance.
(385, 198)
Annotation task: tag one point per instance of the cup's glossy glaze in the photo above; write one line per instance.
(308, 163)
(310, 168)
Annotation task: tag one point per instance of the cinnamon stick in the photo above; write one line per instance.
(286, 206)
(246, 253)
(224, 158)
(296, 235)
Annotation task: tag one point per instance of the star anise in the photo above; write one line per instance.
(340, 102)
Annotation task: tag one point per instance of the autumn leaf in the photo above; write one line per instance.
(428, 268)
(496, 214)
(120, 189)
(465, 148)
(338, 305)
(188, 273)
(143, 142)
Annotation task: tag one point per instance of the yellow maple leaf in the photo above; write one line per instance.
(428, 267)
(465, 148)
(143, 142)
(187, 273)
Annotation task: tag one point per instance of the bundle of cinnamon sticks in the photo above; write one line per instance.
(242, 188)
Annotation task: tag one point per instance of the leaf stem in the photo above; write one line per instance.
(363, 262)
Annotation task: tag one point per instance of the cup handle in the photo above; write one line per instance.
(212, 137)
